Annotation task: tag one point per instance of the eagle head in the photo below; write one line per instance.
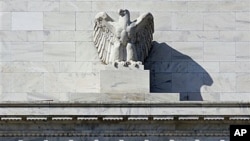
(123, 12)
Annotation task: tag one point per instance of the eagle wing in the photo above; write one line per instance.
(144, 35)
(104, 36)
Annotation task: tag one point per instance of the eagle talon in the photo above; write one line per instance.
(115, 64)
(123, 63)
(120, 63)
(128, 63)
(135, 63)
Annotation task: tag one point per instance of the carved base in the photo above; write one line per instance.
(124, 81)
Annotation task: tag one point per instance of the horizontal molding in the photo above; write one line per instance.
(138, 133)
(133, 118)
(184, 110)
(124, 104)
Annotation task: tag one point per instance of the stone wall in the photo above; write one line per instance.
(201, 48)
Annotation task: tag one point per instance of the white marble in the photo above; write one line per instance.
(194, 38)
(238, 36)
(43, 6)
(59, 51)
(75, 6)
(27, 21)
(47, 58)
(235, 67)
(84, 36)
(189, 35)
(219, 21)
(242, 51)
(51, 36)
(86, 96)
(18, 67)
(26, 82)
(87, 82)
(71, 82)
(242, 80)
(243, 21)
(59, 20)
(123, 97)
(122, 81)
(222, 82)
(76, 67)
(162, 26)
(14, 97)
(5, 51)
(66, 36)
(201, 36)
(209, 96)
(162, 97)
(84, 21)
(12, 36)
(235, 6)
(5, 23)
(204, 6)
(232, 97)
(121, 67)
(13, 5)
(106, 6)
(135, 38)
(215, 51)
(193, 49)
(85, 51)
(187, 21)
(168, 6)
(212, 112)
(35, 36)
(5, 82)
(26, 51)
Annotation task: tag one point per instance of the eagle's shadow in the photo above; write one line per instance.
(174, 72)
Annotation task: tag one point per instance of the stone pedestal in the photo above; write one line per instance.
(124, 80)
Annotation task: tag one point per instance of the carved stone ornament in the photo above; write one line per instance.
(123, 42)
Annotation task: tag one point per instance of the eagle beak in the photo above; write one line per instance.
(121, 12)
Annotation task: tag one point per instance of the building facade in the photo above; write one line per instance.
(50, 78)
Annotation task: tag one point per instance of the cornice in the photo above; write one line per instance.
(137, 133)
(124, 104)
(192, 110)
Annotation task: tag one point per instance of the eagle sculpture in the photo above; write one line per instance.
(123, 42)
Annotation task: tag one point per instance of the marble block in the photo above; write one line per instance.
(27, 21)
(124, 81)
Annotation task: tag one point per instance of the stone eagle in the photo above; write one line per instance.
(123, 42)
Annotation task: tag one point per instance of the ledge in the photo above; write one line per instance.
(236, 104)
(192, 109)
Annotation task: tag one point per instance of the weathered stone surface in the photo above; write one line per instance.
(48, 61)
(124, 81)
(6, 20)
(59, 20)
(59, 51)
(27, 21)
(54, 38)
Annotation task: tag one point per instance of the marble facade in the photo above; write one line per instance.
(198, 71)
(54, 38)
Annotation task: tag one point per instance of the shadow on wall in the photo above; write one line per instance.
(174, 72)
